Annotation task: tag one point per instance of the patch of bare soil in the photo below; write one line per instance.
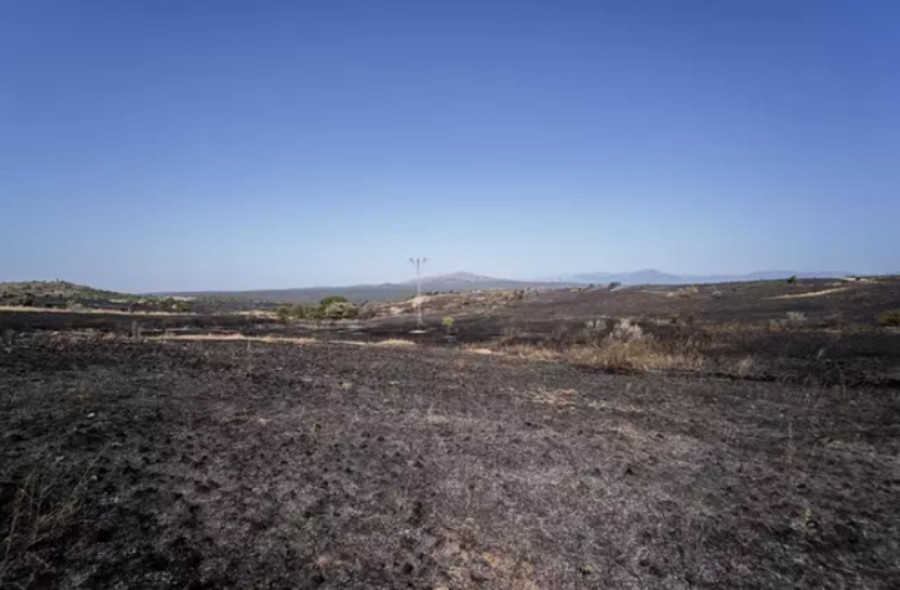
(238, 464)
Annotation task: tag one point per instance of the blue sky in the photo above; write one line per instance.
(164, 145)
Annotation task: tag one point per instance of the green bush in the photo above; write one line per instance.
(182, 306)
(792, 280)
(890, 318)
(313, 312)
(283, 314)
(329, 299)
(333, 307)
(340, 310)
(298, 311)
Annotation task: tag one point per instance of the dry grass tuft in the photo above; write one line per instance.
(236, 337)
(43, 510)
(478, 350)
(626, 331)
(744, 367)
(684, 292)
(625, 349)
(635, 355)
(811, 294)
(889, 318)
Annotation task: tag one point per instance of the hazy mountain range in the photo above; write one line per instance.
(465, 281)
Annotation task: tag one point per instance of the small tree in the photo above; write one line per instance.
(283, 313)
(792, 280)
(449, 324)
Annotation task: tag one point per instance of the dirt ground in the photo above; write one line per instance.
(174, 463)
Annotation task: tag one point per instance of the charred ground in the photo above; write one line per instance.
(536, 443)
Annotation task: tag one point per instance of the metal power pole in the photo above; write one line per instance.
(418, 262)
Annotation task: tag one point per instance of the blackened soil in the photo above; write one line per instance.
(273, 465)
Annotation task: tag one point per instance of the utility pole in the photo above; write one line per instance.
(418, 262)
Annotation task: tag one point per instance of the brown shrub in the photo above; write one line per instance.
(889, 318)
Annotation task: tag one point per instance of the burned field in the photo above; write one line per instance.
(544, 445)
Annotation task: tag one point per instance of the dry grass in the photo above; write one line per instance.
(889, 318)
(478, 350)
(393, 343)
(236, 337)
(256, 313)
(627, 348)
(389, 343)
(812, 294)
(684, 292)
(233, 337)
(719, 348)
(636, 355)
(43, 510)
(633, 356)
(744, 366)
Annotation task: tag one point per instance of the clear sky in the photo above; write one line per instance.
(172, 145)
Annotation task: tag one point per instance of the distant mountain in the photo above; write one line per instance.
(656, 277)
(466, 281)
(458, 281)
